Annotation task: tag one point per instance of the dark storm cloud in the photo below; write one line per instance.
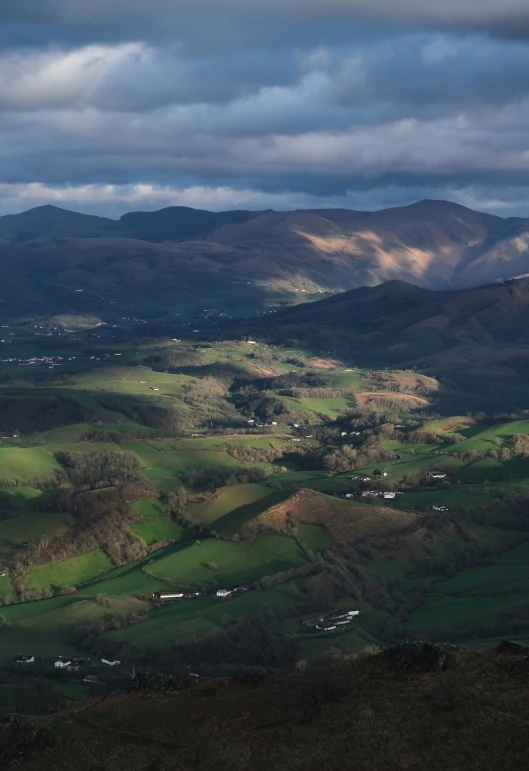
(117, 104)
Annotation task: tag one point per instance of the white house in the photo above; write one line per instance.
(60, 664)
(223, 592)
(110, 663)
(389, 495)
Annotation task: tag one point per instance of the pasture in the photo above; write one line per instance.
(155, 530)
(181, 621)
(31, 526)
(217, 563)
(70, 572)
(22, 465)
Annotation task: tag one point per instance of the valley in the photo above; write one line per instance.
(295, 483)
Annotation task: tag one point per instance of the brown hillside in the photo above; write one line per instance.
(364, 398)
(347, 522)
(412, 708)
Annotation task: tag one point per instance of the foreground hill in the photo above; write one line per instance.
(412, 707)
(242, 259)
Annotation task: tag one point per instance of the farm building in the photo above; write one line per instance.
(326, 626)
(223, 592)
(168, 595)
(61, 664)
(91, 679)
(370, 494)
(110, 663)
(25, 659)
(389, 495)
(436, 475)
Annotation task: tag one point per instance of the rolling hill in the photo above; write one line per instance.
(242, 260)
(477, 338)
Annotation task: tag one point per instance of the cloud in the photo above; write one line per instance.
(281, 102)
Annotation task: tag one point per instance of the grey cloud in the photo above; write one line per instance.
(197, 17)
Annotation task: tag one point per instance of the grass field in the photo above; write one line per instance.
(44, 628)
(314, 537)
(32, 526)
(154, 530)
(150, 508)
(70, 572)
(235, 563)
(24, 465)
(181, 621)
(177, 462)
(330, 407)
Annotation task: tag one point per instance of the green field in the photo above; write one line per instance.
(314, 537)
(172, 463)
(330, 407)
(236, 563)
(23, 465)
(152, 531)
(70, 572)
(44, 628)
(150, 508)
(180, 621)
(32, 526)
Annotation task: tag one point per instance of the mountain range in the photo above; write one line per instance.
(243, 260)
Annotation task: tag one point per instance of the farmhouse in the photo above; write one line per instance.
(389, 495)
(61, 664)
(223, 592)
(370, 494)
(25, 659)
(168, 595)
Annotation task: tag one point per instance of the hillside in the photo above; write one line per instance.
(453, 335)
(411, 707)
(243, 261)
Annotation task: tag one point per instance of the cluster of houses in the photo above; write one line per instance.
(438, 507)
(387, 494)
(351, 433)
(332, 622)
(176, 595)
(35, 361)
(69, 665)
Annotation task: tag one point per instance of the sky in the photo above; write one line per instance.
(110, 106)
